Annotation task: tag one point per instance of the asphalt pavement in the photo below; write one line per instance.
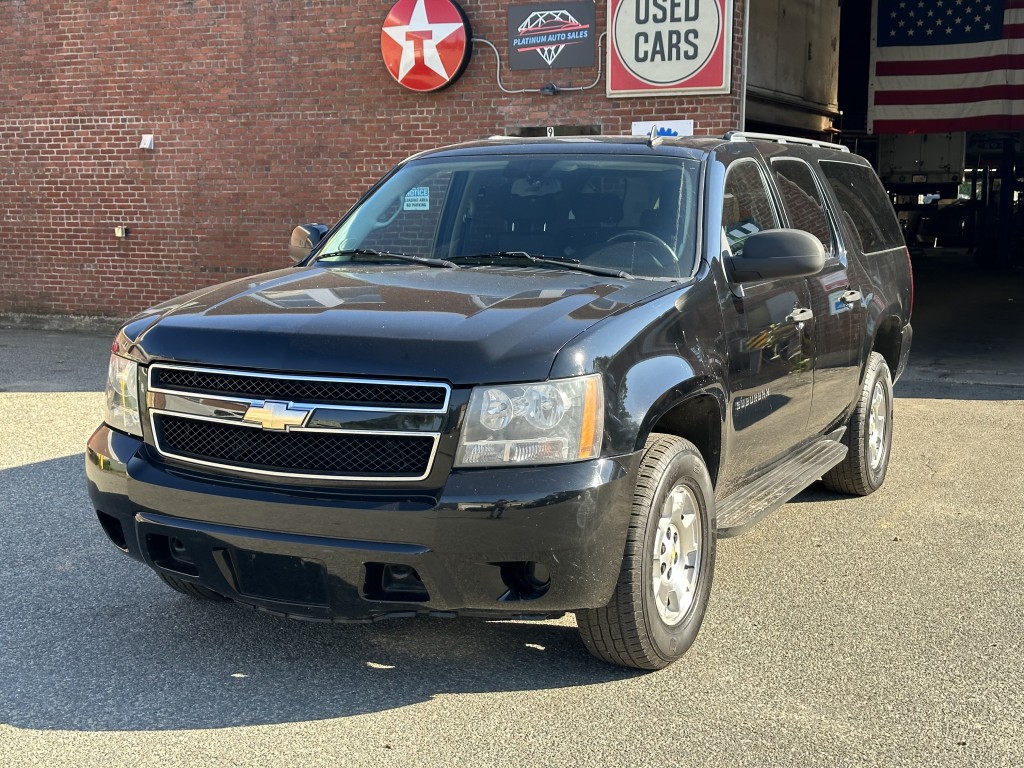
(878, 631)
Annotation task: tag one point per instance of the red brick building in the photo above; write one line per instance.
(263, 115)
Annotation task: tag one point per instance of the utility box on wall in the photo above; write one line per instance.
(921, 159)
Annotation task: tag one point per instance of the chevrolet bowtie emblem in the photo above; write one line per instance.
(274, 414)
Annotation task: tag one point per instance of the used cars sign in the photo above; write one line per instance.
(669, 46)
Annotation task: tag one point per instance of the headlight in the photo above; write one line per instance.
(549, 422)
(123, 396)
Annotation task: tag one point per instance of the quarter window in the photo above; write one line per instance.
(864, 205)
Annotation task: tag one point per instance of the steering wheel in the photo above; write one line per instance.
(662, 255)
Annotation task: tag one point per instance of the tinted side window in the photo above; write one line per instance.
(746, 207)
(865, 206)
(802, 199)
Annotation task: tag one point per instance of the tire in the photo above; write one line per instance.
(192, 590)
(868, 436)
(662, 592)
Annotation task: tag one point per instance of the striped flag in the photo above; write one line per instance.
(946, 65)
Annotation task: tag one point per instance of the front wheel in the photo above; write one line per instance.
(869, 436)
(665, 579)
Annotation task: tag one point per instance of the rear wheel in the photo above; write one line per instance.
(869, 435)
(192, 590)
(665, 579)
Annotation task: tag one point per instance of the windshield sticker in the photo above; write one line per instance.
(417, 199)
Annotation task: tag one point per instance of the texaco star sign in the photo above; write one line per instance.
(425, 43)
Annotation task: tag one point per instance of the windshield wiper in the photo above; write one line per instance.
(558, 261)
(390, 255)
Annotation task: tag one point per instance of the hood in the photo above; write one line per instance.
(468, 326)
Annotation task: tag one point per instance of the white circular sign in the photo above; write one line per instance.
(666, 41)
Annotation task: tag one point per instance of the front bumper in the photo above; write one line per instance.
(483, 544)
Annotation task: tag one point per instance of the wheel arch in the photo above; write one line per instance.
(887, 342)
(697, 418)
(667, 395)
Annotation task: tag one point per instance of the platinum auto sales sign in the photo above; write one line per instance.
(669, 47)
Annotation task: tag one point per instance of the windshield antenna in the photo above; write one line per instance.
(655, 139)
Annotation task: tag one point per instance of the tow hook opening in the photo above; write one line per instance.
(526, 580)
(395, 583)
(171, 553)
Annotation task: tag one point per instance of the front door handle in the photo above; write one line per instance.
(851, 297)
(799, 315)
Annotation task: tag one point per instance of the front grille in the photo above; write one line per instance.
(296, 453)
(346, 392)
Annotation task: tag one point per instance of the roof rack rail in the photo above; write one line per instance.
(779, 139)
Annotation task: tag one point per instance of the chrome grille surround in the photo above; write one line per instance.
(339, 392)
(213, 416)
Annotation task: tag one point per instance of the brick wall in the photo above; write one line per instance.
(265, 115)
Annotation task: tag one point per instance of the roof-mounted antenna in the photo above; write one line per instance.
(654, 139)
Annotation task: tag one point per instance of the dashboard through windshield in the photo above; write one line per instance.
(631, 214)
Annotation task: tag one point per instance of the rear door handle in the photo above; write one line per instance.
(851, 297)
(799, 315)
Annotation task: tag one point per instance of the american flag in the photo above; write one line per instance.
(946, 65)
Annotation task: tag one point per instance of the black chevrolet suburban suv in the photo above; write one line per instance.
(520, 377)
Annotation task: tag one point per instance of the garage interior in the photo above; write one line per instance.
(958, 195)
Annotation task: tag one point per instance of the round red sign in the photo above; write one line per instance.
(426, 44)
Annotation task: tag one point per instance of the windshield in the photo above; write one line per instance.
(632, 214)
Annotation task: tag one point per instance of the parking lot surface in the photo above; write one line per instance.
(842, 631)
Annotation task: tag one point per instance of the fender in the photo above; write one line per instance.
(652, 357)
(655, 387)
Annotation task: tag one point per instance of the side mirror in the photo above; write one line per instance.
(304, 238)
(776, 253)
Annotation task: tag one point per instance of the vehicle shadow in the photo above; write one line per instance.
(920, 387)
(817, 492)
(90, 640)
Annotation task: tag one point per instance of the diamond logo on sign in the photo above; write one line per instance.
(425, 44)
(549, 24)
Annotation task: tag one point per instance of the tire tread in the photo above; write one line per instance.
(851, 475)
(616, 633)
(195, 591)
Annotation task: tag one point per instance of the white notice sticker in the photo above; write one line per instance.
(417, 199)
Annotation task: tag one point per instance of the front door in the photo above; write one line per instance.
(770, 327)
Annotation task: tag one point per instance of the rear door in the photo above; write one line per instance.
(838, 310)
